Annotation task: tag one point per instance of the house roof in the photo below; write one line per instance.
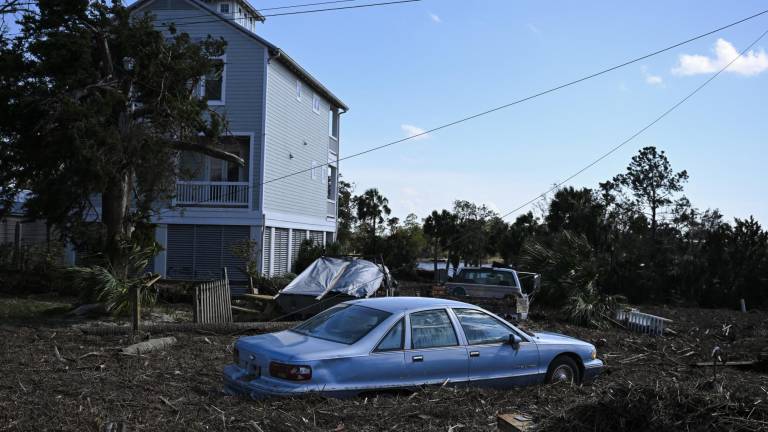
(274, 51)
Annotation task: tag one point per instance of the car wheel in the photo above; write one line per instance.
(459, 292)
(563, 369)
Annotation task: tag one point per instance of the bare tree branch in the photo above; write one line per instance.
(209, 151)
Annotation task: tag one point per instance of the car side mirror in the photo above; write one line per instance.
(514, 340)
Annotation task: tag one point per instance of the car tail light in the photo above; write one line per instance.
(290, 372)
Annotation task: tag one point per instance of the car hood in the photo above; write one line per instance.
(291, 346)
(557, 338)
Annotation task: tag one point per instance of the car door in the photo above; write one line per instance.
(493, 361)
(435, 353)
(385, 366)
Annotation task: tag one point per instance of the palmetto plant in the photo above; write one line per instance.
(569, 278)
(104, 284)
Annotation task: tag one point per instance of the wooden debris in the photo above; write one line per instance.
(150, 345)
(257, 297)
(245, 310)
(735, 363)
(514, 422)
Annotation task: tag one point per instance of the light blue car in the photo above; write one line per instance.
(394, 343)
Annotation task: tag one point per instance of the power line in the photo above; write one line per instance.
(615, 148)
(633, 136)
(207, 15)
(306, 4)
(166, 21)
(527, 98)
(516, 102)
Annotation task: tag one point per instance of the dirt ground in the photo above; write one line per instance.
(54, 377)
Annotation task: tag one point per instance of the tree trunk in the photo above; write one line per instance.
(437, 278)
(114, 215)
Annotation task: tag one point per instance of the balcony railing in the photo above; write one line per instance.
(212, 194)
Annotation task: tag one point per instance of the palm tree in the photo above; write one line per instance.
(371, 208)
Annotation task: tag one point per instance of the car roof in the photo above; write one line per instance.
(399, 304)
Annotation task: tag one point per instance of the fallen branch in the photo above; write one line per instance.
(150, 345)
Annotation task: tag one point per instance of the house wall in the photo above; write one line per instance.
(245, 74)
(296, 137)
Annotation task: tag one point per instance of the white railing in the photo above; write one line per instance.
(213, 194)
(642, 322)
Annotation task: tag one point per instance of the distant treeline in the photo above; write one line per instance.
(636, 235)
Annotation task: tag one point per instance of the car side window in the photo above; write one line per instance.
(432, 329)
(481, 328)
(394, 339)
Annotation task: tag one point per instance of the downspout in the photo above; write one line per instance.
(338, 173)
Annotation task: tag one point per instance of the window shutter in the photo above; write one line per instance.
(265, 250)
(180, 251)
(298, 237)
(281, 251)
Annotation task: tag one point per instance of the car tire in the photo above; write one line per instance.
(458, 292)
(563, 369)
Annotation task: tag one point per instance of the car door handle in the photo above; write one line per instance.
(474, 353)
(417, 358)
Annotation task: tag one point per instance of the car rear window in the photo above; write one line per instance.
(342, 323)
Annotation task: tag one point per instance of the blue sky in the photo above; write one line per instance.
(415, 66)
(428, 63)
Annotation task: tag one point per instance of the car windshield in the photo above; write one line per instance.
(342, 323)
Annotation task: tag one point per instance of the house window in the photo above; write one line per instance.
(333, 123)
(214, 81)
(315, 103)
(332, 183)
(224, 8)
(298, 89)
(197, 167)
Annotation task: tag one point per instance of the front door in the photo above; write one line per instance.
(493, 361)
(435, 355)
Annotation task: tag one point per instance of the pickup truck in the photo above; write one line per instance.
(495, 283)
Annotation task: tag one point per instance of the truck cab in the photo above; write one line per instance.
(495, 283)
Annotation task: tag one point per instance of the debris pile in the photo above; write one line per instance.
(57, 377)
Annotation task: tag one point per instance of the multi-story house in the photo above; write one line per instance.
(282, 121)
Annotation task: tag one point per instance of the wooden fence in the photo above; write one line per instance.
(213, 302)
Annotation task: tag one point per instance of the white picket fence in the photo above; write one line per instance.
(642, 322)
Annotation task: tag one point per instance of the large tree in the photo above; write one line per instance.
(372, 207)
(441, 229)
(652, 182)
(99, 103)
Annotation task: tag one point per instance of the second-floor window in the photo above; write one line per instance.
(213, 83)
(298, 89)
(333, 123)
(201, 168)
(316, 103)
(332, 183)
(224, 8)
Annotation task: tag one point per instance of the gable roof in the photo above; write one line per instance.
(274, 51)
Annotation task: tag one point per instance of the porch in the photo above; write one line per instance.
(201, 193)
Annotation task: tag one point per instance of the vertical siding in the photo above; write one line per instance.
(290, 124)
(267, 244)
(281, 251)
(298, 237)
(245, 72)
(317, 237)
